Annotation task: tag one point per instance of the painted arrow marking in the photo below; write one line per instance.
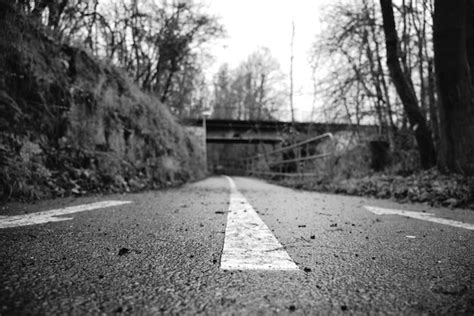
(422, 216)
(51, 215)
(249, 244)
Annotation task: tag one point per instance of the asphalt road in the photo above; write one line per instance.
(161, 254)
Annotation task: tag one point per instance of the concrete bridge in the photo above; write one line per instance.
(266, 132)
(225, 142)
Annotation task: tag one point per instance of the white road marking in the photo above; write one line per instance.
(249, 244)
(50, 216)
(418, 215)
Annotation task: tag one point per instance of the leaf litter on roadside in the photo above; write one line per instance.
(123, 251)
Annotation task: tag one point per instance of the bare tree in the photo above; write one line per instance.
(352, 46)
(404, 86)
(255, 90)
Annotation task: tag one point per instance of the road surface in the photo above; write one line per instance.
(234, 246)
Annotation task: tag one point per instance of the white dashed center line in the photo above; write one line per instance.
(249, 244)
(51, 216)
(422, 216)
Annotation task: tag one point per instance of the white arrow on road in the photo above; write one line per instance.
(51, 216)
(249, 244)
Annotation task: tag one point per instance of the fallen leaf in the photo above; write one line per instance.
(123, 251)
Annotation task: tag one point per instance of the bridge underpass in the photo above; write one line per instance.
(229, 141)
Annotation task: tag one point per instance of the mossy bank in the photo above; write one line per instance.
(71, 124)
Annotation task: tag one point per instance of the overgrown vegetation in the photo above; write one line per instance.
(73, 125)
(352, 172)
(369, 169)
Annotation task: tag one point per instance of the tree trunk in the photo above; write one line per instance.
(470, 40)
(386, 94)
(166, 88)
(291, 72)
(405, 89)
(261, 98)
(453, 38)
(432, 104)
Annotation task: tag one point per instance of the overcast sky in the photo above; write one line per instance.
(255, 23)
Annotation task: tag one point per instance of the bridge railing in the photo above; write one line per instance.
(296, 160)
